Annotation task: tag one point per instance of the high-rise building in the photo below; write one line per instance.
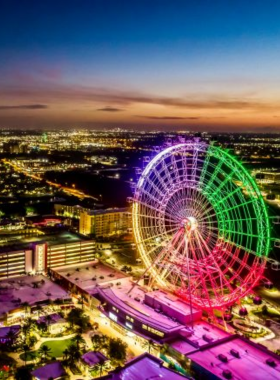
(114, 221)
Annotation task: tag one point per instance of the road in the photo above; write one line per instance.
(68, 190)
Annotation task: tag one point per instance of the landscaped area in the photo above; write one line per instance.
(57, 347)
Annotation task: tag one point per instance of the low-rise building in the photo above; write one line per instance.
(53, 371)
(143, 367)
(54, 322)
(91, 359)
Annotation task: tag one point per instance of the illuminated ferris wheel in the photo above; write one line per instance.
(201, 224)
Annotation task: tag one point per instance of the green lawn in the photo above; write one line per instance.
(57, 347)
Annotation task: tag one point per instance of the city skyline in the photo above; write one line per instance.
(165, 65)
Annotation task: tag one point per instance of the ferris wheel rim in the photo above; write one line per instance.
(159, 211)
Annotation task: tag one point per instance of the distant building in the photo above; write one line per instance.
(268, 177)
(15, 147)
(69, 211)
(105, 223)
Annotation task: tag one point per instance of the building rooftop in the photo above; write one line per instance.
(133, 303)
(144, 367)
(251, 363)
(53, 370)
(107, 211)
(55, 318)
(88, 276)
(19, 242)
(94, 357)
(203, 334)
(5, 330)
(172, 300)
(11, 290)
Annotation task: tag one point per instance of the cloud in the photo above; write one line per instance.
(24, 107)
(169, 117)
(58, 92)
(179, 117)
(109, 109)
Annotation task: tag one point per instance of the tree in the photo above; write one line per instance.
(48, 320)
(66, 354)
(27, 328)
(264, 310)
(26, 307)
(78, 339)
(76, 317)
(33, 340)
(42, 326)
(99, 342)
(149, 344)
(23, 373)
(74, 354)
(25, 350)
(117, 350)
(39, 310)
(100, 367)
(12, 337)
(44, 351)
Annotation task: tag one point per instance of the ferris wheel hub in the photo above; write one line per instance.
(189, 224)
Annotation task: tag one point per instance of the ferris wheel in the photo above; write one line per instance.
(201, 224)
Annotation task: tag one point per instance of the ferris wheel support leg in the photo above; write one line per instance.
(189, 277)
(159, 257)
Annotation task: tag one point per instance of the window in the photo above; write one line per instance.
(152, 330)
(129, 318)
(113, 317)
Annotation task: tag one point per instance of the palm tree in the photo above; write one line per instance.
(39, 310)
(74, 353)
(44, 351)
(100, 366)
(26, 307)
(78, 339)
(99, 342)
(25, 350)
(11, 336)
(66, 354)
(28, 326)
(33, 356)
(149, 344)
(48, 320)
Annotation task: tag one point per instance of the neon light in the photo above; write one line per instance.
(200, 224)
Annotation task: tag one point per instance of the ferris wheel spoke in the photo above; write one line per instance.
(202, 276)
(201, 224)
(149, 206)
(223, 184)
(148, 217)
(173, 252)
(229, 195)
(213, 177)
(155, 188)
(150, 197)
(237, 206)
(159, 235)
(222, 277)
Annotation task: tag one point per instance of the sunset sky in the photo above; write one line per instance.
(202, 65)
